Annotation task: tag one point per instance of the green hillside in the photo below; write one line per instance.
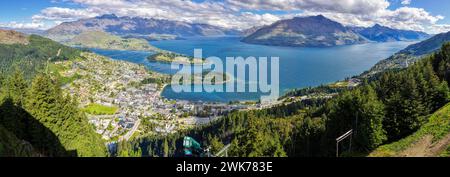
(428, 46)
(391, 107)
(41, 115)
(103, 40)
(432, 139)
(33, 55)
(36, 117)
(410, 55)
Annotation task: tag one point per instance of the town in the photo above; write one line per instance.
(123, 100)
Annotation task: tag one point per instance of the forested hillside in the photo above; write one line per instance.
(31, 54)
(41, 115)
(36, 117)
(389, 108)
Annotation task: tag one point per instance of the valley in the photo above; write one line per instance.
(124, 101)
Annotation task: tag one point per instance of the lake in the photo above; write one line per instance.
(299, 67)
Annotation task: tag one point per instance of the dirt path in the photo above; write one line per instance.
(426, 148)
(440, 146)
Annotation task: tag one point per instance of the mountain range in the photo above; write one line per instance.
(380, 33)
(315, 31)
(319, 31)
(36, 129)
(135, 25)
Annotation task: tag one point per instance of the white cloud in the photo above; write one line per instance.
(65, 14)
(406, 2)
(241, 14)
(341, 6)
(439, 28)
(210, 12)
(20, 25)
(407, 18)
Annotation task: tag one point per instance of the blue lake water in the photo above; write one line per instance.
(299, 67)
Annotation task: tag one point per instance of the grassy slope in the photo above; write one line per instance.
(437, 128)
(102, 40)
(446, 153)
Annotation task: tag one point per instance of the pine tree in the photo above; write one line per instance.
(42, 100)
(12, 116)
(16, 87)
(68, 128)
(253, 138)
(413, 109)
(370, 133)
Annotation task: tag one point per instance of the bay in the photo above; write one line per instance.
(299, 67)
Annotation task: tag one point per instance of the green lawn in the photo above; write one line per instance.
(97, 109)
(68, 80)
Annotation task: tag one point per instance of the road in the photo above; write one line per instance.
(127, 136)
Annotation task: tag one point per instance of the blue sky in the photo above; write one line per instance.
(425, 15)
(22, 10)
(435, 7)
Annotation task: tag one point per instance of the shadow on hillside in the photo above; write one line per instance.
(25, 127)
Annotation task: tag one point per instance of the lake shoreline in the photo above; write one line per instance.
(299, 67)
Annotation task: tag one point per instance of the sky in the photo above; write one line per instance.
(431, 16)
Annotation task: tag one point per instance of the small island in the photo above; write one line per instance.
(169, 57)
(211, 76)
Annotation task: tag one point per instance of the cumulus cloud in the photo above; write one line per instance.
(209, 12)
(65, 14)
(402, 18)
(341, 6)
(242, 14)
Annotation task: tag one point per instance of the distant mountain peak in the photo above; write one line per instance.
(378, 26)
(108, 16)
(317, 17)
(381, 33)
(320, 17)
(311, 31)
